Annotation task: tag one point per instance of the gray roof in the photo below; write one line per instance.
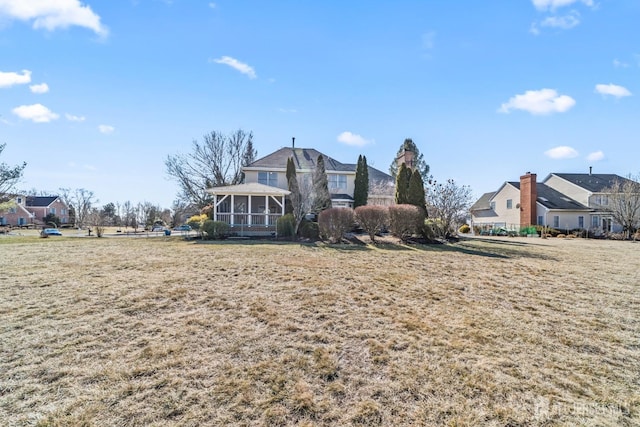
(40, 201)
(483, 202)
(252, 188)
(306, 159)
(553, 199)
(594, 183)
(340, 196)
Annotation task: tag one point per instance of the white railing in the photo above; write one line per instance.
(244, 219)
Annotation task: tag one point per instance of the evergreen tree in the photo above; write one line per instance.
(292, 182)
(322, 197)
(361, 190)
(418, 164)
(402, 184)
(415, 191)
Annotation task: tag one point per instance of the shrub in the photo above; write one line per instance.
(433, 228)
(196, 221)
(561, 236)
(464, 229)
(405, 220)
(372, 219)
(526, 231)
(286, 225)
(309, 230)
(51, 218)
(334, 223)
(215, 230)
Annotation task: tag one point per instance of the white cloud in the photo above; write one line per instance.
(564, 22)
(613, 90)
(595, 156)
(53, 14)
(106, 129)
(237, 65)
(353, 139)
(11, 78)
(212, 5)
(544, 101)
(73, 118)
(620, 64)
(37, 113)
(556, 4)
(41, 88)
(561, 152)
(534, 29)
(429, 40)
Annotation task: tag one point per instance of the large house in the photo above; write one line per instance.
(254, 207)
(31, 210)
(565, 201)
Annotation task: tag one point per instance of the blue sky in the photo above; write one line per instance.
(96, 94)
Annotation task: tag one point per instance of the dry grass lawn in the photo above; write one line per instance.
(163, 331)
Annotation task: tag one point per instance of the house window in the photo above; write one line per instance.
(492, 205)
(556, 221)
(52, 211)
(12, 210)
(337, 182)
(509, 203)
(268, 178)
(595, 221)
(19, 200)
(540, 220)
(580, 222)
(602, 200)
(62, 212)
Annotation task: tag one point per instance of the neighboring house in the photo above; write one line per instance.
(255, 206)
(562, 201)
(17, 214)
(41, 206)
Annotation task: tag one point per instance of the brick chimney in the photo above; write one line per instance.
(406, 157)
(528, 196)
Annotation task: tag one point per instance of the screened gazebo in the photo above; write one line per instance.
(250, 209)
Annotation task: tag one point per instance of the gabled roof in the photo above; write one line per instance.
(594, 183)
(484, 202)
(553, 199)
(40, 201)
(304, 158)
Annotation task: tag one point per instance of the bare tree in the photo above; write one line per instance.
(179, 210)
(624, 203)
(447, 203)
(214, 162)
(301, 199)
(9, 177)
(81, 201)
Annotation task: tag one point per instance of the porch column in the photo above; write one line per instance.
(249, 211)
(233, 208)
(215, 207)
(266, 210)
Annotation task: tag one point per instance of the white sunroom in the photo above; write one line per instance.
(250, 209)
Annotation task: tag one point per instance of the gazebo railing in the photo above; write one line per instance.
(247, 219)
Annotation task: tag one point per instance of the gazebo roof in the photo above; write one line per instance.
(253, 188)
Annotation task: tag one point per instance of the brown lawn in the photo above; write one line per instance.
(162, 331)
